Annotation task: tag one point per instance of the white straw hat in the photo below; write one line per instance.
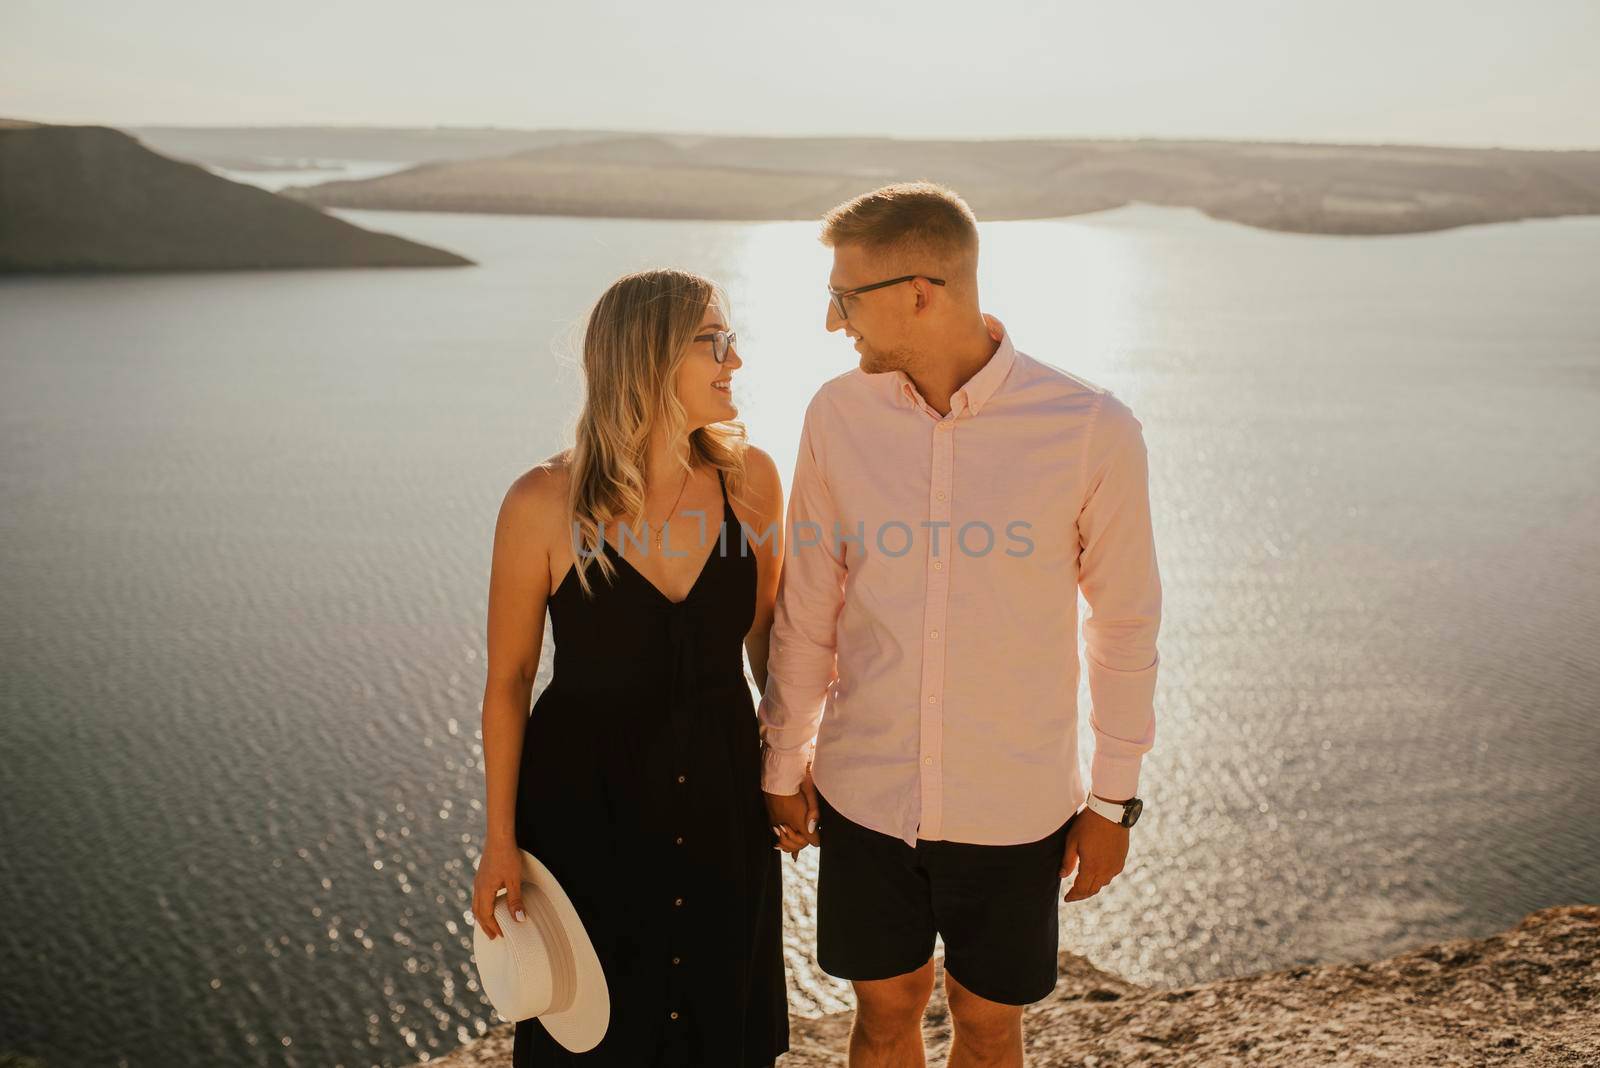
(545, 966)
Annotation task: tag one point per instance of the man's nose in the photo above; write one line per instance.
(834, 322)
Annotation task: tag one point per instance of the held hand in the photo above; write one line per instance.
(808, 790)
(500, 869)
(1098, 849)
(787, 813)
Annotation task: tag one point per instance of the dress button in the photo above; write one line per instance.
(679, 840)
(683, 778)
(674, 1016)
(677, 960)
(677, 903)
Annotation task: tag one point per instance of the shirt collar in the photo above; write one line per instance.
(981, 386)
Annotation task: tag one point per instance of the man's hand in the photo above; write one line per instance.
(1098, 848)
(794, 817)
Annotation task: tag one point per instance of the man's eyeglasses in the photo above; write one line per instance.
(836, 296)
(721, 342)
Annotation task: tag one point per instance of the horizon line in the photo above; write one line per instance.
(988, 138)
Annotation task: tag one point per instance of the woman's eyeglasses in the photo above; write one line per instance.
(836, 296)
(721, 342)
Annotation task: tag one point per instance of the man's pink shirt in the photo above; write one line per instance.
(924, 652)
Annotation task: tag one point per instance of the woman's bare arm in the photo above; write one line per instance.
(766, 493)
(519, 587)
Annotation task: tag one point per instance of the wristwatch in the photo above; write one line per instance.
(1126, 814)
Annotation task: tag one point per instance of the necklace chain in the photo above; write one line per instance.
(661, 529)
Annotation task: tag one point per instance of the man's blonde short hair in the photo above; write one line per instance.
(908, 217)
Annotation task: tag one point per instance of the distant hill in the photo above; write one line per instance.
(230, 146)
(88, 198)
(1310, 188)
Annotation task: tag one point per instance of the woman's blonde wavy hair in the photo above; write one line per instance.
(635, 341)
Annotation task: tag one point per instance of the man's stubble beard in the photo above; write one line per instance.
(874, 361)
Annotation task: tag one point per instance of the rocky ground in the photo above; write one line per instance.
(1528, 996)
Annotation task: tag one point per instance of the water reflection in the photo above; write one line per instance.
(249, 516)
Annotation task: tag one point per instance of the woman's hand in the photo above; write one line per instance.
(789, 842)
(500, 869)
(794, 817)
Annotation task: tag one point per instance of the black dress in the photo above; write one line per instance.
(640, 789)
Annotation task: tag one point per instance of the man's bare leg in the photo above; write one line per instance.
(984, 1033)
(887, 1032)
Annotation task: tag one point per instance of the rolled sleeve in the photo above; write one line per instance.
(1121, 582)
(802, 665)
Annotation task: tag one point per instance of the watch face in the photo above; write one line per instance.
(1130, 812)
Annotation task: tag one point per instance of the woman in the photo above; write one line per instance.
(636, 779)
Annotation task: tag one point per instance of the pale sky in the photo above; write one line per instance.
(1448, 72)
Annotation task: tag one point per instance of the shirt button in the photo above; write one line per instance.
(938, 565)
(941, 495)
(933, 634)
(928, 761)
(933, 700)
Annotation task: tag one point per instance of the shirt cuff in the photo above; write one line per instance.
(1124, 725)
(1114, 776)
(782, 770)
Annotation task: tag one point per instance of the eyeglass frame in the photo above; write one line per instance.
(728, 339)
(836, 296)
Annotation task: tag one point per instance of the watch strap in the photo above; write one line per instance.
(1110, 810)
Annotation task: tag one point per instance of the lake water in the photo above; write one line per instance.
(280, 174)
(246, 536)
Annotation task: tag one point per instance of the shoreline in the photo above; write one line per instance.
(1529, 995)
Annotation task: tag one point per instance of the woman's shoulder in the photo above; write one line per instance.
(759, 466)
(761, 475)
(537, 500)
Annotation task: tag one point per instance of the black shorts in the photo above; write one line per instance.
(880, 902)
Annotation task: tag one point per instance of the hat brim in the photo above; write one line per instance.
(580, 1028)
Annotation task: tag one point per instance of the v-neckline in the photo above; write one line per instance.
(705, 565)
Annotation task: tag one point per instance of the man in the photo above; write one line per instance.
(950, 499)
